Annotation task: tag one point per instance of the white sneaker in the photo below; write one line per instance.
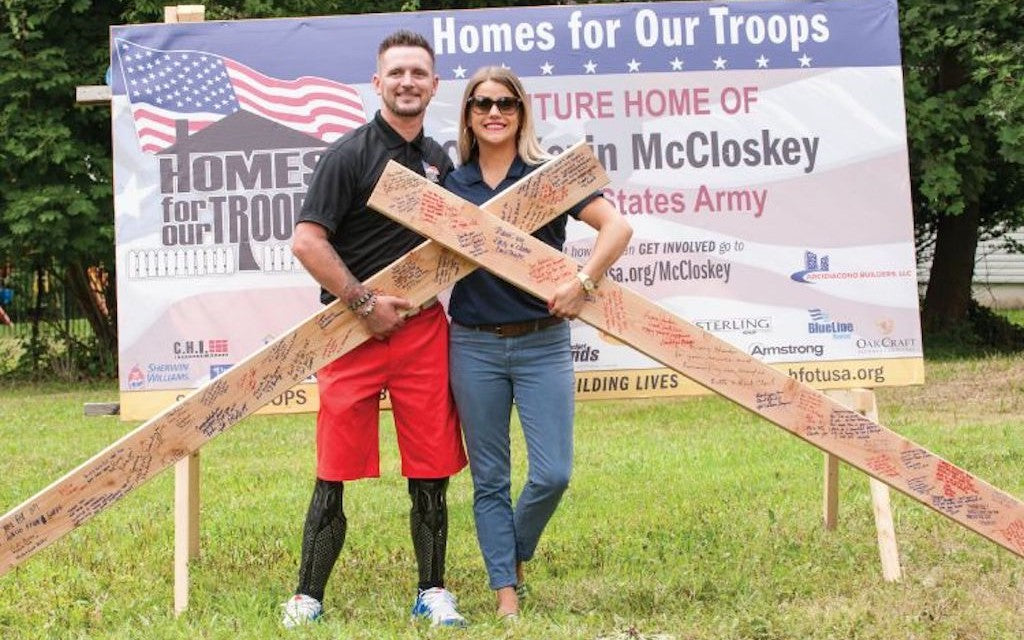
(300, 609)
(438, 606)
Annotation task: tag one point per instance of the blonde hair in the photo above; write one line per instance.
(527, 145)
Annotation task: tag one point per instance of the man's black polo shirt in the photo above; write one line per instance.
(342, 182)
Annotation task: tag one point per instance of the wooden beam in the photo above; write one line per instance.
(92, 94)
(102, 408)
(801, 410)
(185, 13)
(215, 407)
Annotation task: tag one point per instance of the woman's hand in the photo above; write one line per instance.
(568, 299)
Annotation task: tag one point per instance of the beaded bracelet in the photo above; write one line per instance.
(368, 308)
(363, 299)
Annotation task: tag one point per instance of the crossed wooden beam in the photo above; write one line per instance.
(531, 265)
(213, 408)
(488, 236)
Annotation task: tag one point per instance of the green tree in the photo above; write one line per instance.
(55, 204)
(963, 65)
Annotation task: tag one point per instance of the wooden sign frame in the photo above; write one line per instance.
(713, 363)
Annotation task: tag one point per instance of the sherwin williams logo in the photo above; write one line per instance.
(820, 323)
(136, 378)
(812, 264)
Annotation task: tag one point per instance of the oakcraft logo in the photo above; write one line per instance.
(887, 344)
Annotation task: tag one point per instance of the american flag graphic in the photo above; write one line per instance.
(202, 88)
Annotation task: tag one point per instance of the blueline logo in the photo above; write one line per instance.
(820, 323)
(812, 264)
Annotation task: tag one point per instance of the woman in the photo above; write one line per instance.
(506, 344)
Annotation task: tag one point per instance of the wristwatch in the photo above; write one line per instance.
(588, 284)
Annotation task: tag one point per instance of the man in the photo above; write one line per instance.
(341, 243)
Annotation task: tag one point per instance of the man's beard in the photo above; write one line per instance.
(405, 111)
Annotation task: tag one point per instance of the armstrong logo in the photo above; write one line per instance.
(745, 325)
(887, 344)
(817, 268)
(820, 323)
(136, 379)
(216, 348)
(816, 350)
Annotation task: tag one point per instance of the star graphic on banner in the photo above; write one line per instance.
(546, 68)
(132, 193)
(459, 72)
(590, 66)
(805, 60)
(719, 62)
(762, 62)
(634, 66)
(677, 64)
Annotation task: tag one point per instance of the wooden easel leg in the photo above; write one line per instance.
(891, 571)
(863, 401)
(831, 499)
(186, 525)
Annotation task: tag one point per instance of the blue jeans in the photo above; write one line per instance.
(487, 373)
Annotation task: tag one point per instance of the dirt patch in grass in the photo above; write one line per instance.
(991, 387)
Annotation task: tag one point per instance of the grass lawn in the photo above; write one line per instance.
(687, 519)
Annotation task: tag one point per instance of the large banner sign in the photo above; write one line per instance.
(758, 149)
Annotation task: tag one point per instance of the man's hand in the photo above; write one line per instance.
(386, 317)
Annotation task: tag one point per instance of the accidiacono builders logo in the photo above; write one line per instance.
(818, 268)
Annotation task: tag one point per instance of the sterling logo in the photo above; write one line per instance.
(748, 326)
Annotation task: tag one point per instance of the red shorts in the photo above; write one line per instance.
(413, 365)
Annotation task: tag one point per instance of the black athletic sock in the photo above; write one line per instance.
(323, 538)
(428, 522)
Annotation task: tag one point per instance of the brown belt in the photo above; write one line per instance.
(516, 329)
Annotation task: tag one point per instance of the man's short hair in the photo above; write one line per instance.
(405, 38)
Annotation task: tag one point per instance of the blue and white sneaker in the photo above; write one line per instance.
(438, 606)
(301, 609)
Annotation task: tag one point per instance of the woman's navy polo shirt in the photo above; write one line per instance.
(482, 298)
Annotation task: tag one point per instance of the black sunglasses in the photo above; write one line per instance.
(506, 104)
